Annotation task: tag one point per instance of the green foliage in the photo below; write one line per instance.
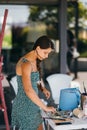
(70, 14)
(84, 54)
(82, 11)
(34, 13)
(49, 15)
(82, 47)
(7, 41)
(44, 13)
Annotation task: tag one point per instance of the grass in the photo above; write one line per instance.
(84, 54)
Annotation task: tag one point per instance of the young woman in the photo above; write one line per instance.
(26, 106)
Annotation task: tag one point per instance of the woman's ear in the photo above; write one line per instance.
(38, 48)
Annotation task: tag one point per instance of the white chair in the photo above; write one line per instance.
(14, 84)
(58, 82)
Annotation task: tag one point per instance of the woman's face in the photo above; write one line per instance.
(42, 53)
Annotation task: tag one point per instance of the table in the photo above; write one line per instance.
(76, 124)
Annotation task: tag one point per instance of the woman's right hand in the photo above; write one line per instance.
(50, 109)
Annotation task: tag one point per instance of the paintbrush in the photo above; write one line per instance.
(54, 118)
(84, 88)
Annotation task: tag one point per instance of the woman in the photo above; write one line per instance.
(27, 104)
(72, 52)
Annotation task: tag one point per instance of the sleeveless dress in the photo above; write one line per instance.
(25, 114)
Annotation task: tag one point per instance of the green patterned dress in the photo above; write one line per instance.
(25, 114)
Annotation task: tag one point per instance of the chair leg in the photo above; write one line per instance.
(14, 128)
(44, 124)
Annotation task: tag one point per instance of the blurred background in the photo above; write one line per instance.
(27, 22)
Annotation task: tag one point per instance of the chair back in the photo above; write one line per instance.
(14, 84)
(58, 82)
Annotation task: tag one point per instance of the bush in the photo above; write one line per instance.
(82, 47)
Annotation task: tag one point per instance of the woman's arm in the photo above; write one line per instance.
(42, 87)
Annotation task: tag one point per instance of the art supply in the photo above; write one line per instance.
(83, 97)
(69, 99)
(84, 88)
(55, 118)
(63, 123)
(78, 113)
(85, 107)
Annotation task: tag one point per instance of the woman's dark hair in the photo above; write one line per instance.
(44, 42)
(70, 38)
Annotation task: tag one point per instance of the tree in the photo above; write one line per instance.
(49, 15)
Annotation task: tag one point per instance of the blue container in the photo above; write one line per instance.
(69, 99)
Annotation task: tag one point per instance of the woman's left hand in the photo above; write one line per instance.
(46, 93)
